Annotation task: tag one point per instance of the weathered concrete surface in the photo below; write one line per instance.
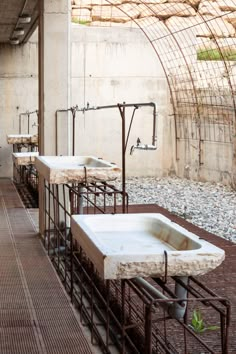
(54, 78)
(19, 93)
(110, 62)
(103, 83)
(54, 69)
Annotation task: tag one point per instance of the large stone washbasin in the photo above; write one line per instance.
(133, 245)
(78, 169)
(22, 139)
(24, 158)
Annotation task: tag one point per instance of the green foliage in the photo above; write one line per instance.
(216, 54)
(198, 325)
(80, 22)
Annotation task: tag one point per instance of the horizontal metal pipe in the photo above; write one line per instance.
(125, 105)
(122, 105)
(142, 147)
(118, 105)
(152, 291)
(29, 113)
(173, 308)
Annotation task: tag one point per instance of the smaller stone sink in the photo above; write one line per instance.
(76, 169)
(22, 139)
(133, 245)
(24, 158)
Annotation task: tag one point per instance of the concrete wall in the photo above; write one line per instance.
(115, 66)
(111, 66)
(19, 92)
(205, 126)
(107, 67)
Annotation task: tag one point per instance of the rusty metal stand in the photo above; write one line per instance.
(26, 181)
(119, 312)
(61, 202)
(125, 315)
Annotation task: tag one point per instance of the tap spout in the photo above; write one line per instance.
(140, 146)
(145, 147)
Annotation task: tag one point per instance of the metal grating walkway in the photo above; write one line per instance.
(35, 312)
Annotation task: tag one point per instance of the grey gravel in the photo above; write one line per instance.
(210, 206)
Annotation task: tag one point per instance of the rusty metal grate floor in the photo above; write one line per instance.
(35, 312)
(28, 197)
(223, 279)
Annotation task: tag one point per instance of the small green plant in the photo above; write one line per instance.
(198, 325)
(216, 54)
(79, 21)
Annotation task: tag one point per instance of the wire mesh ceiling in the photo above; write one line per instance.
(195, 42)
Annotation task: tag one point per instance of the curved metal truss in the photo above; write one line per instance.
(195, 42)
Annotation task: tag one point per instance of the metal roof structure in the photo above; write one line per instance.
(12, 11)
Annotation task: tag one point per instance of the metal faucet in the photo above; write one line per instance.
(140, 146)
(153, 145)
(27, 114)
(133, 147)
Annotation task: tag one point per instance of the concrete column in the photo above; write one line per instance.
(54, 70)
(54, 78)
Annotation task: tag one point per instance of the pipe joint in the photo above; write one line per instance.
(175, 309)
(140, 146)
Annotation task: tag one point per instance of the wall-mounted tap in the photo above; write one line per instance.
(140, 146)
(135, 146)
(122, 109)
(153, 145)
(26, 114)
(35, 124)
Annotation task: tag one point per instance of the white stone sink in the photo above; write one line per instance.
(22, 139)
(68, 169)
(133, 245)
(24, 158)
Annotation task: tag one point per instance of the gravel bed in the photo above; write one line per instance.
(207, 205)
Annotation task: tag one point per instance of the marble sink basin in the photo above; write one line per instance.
(133, 245)
(22, 139)
(24, 158)
(77, 169)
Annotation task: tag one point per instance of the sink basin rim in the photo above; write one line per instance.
(64, 170)
(22, 139)
(112, 266)
(24, 158)
(19, 135)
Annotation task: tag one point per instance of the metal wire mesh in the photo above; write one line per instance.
(195, 44)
